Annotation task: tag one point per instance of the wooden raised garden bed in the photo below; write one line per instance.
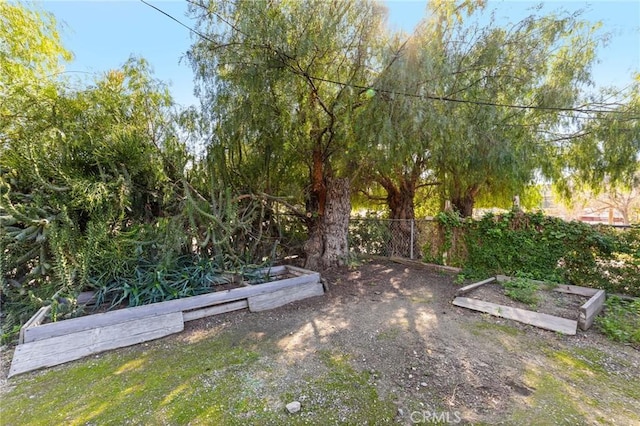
(45, 345)
(586, 314)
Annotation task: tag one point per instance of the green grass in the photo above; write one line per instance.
(574, 387)
(218, 380)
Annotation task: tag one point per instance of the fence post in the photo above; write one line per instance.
(412, 232)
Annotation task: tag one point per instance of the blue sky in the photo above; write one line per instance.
(103, 34)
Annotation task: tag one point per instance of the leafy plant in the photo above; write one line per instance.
(621, 320)
(522, 290)
(545, 248)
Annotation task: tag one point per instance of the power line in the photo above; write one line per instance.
(581, 110)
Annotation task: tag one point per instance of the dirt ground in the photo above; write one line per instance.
(442, 362)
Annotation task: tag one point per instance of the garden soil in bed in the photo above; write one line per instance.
(549, 302)
(392, 324)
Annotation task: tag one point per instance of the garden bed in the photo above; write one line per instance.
(48, 344)
(560, 308)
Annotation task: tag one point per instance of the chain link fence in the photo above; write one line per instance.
(407, 238)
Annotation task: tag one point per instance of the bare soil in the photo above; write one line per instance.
(429, 356)
(548, 301)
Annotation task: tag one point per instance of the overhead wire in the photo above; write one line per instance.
(581, 109)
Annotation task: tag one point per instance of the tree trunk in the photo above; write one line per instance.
(463, 204)
(400, 202)
(327, 244)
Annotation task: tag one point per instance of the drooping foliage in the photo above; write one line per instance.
(281, 80)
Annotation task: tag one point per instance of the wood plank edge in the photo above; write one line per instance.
(178, 305)
(215, 310)
(566, 326)
(590, 310)
(470, 287)
(36, 363)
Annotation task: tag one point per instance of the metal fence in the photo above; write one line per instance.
(408, 238)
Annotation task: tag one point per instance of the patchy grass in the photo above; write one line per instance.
(479, 328)
(575, 387)
(340, 395)
(389, 334)
(213, 381)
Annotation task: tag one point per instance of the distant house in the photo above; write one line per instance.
(609, 216)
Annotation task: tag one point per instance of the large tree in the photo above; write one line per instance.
(511, 84)
(284, 75)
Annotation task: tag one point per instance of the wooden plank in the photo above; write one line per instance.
(189, 303)
(591, 309)
(417, 263)
(55, 351)
(560, 288)
(214, 310)
(574, 289)
(85, 297)
(291, 268)
(470, 287)
(272, 270)
(546, 321)
(73, 325)
(279, 298)
(34, 321)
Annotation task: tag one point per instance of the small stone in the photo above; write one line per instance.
(424, 384)
(400, 412)
(293, 407)
(411, 376)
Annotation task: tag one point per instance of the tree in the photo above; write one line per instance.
(77, 181)
(294, 65)
(31, 56)
(489, 147)
(606, 154)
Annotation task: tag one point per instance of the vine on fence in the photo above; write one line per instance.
(545, 248)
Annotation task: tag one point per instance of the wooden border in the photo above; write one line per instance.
(591, 309)
(45, 331)
(560, 288)
(546, 321)
(470, 287)
(33, 321)
(59, 342)
(587, 312)
(50, 352)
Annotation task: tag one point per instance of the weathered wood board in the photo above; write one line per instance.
(215, 310)
(56, 343)
(470, 287)
(546, 321)
(591, 309)
(560, 288)
(61, 349)
(33, 321)
(73, 325)
(281, 297)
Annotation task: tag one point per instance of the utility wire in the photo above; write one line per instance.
(581, 110)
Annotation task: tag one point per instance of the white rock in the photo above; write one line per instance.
(293, 407)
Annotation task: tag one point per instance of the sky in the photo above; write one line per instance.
(103, 34)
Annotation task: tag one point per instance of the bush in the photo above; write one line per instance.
(621, 320)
